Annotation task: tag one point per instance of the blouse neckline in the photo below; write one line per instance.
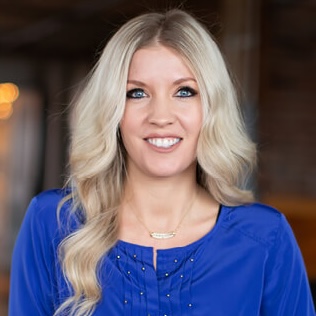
(193, 245)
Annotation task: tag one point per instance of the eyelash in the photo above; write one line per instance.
(131, 93)
(191, 91)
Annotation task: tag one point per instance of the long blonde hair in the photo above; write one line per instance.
(97, 158)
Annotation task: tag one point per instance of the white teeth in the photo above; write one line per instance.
(163, 142)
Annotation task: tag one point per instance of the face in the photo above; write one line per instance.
(163, 114)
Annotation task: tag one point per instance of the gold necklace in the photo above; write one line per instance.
(170, 234)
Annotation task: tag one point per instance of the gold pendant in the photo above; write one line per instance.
(162, 235)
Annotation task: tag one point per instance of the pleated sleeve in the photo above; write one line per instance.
(286, 287)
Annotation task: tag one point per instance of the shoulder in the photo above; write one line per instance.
(35, 263)
(50, 198)
(48, 210)
(47, 202)
(257, 221)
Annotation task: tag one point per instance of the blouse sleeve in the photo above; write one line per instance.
(31, 270)
(287, 290)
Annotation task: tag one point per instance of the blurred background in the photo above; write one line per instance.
(47, 48)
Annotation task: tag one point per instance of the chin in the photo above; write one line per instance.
(170, 171)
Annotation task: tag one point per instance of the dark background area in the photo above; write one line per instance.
(47, 47)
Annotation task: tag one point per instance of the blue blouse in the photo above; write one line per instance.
(249, 264)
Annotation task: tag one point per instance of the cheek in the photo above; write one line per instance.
(126, 124)
(124, 131)
(129, 128)
(199, 119)
(193, 122)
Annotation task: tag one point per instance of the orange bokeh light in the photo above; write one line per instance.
(9, 92)
(6, 110)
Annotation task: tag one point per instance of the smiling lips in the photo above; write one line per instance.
(167, 142)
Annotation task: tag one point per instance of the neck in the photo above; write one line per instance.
(161, 194)
(160, 203)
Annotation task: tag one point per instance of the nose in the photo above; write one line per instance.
(161, 112)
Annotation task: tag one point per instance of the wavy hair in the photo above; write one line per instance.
(225, 154)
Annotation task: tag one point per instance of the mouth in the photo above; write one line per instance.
(167, 142)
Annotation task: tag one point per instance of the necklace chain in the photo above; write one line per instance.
(172, 233)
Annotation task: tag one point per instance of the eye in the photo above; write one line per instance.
(186, 92)
(136, 94)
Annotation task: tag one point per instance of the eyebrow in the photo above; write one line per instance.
(184, 80)
(136, 82)
(178, 81)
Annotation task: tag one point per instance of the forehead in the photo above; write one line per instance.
(159, 59)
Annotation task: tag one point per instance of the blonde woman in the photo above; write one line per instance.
(155, 219)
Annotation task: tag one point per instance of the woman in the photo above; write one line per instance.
(155, 219)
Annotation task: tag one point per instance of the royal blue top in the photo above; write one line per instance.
(249, 264)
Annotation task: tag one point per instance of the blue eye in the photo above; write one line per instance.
(186, 92)
(136, 94)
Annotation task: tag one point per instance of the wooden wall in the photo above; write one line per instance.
(287, 117)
